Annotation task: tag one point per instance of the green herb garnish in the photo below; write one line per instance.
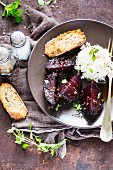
(91, 70)
(57, 107)
(92, 53)
(12, 10)
(77, 106)
(21, 139)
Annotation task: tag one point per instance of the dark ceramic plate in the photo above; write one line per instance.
(96, 33)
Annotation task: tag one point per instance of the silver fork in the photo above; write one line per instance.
(106, 128)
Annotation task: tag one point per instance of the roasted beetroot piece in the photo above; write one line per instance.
(58, 65)
(92, 102)
(50, 88)
(71, 89)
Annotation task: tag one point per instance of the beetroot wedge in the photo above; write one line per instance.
(57, 65)
(71, 89)
(92, 102)
(50, 88)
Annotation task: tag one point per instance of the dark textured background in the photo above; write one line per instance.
(90, 154)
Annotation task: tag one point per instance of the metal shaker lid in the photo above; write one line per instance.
(17, 38)
(4, 53)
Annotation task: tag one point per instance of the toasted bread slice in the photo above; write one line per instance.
(65, 42)
(12, 102)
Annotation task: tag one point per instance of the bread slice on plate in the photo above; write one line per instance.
(12, 102)
(64, 42)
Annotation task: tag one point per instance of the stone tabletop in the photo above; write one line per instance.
(88, 154)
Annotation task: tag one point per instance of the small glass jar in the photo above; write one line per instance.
(7, 61)
(20, 45)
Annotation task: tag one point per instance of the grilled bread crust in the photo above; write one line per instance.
(64, 42)
(12, 102)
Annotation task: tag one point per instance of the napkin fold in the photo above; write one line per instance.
(51, 131)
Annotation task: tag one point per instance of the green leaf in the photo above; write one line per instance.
(12, 10)
(91, 52)
(31, 125)
(91, 70)
(18, 140)
(38, 139)
(96, 50)
(52, 152)
(77, 106)
(89, 80)
(53, 146)
(93, 57)
(31, 134)
(57, 107)
(4, 14)
(41, 2)
(42, 148)
(25, 145)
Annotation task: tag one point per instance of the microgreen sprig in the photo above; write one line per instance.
(77, 106)
(92, 53)
(12, 10)
(33, 139)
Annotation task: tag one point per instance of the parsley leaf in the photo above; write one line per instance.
(12, 10)
(92, 53)
(77, 106)
(57, 107)
(91, 70)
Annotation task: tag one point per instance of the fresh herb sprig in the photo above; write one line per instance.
(12, 10)
(33, 139)
(92, 53)
(44, 2)
(77, 106)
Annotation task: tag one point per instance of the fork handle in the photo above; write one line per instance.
(106, 128)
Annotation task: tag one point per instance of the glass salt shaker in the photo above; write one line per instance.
(7, 61)
(20, 45)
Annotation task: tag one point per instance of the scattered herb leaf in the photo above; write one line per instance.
(77, 106)
(25, 145)
(12, 10)
(89, 80)
(21, 139)
(57, 107)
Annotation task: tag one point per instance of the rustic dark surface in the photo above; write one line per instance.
(90, 154)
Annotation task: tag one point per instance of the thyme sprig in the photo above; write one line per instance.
(33, 139)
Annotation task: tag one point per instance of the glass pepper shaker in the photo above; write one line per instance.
(20, 45)
(7, 61)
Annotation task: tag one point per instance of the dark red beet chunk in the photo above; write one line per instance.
(92, 102)
(50, 88)
(71, 89)
(57, 65)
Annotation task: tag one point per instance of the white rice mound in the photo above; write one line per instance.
(95, 69)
